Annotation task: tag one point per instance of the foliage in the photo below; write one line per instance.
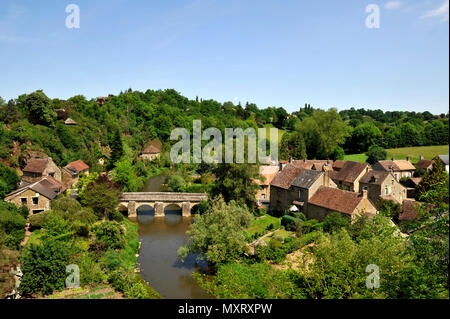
(12, 225)
(102, 196)
(44, 267)
(335, 222)
(250, 281)
(110, 234)
(9, 180)
(375, 153)
(434, 176)
(389, 208)
(132, 285)
(217, 235)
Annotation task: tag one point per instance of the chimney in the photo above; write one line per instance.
(393, 159)
(408, 158)
(290, 159)
(304, 160)
(421, 157)
(280, 166)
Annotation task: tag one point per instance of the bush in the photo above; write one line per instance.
(132, 285)
(115, 216)
(44, 267)
(110, 260)
(289, 222)
(90, 271)
(335, 221)
(111, 234)
(309, 226)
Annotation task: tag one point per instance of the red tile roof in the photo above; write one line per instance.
(338, 164)
(78, 166)
(285, 177)
(374, 177)
(336, 199)
(319, 165)
(397, 165)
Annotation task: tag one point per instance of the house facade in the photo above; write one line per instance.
(295, 186)
(268, 172)
(38, 168)
(150, 153)
(327, 200)
(71, 172)
(382, 184)
(399, 168)
(36, 196)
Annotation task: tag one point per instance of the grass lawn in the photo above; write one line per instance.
(283, 233)
(428, 152)
(260, 225)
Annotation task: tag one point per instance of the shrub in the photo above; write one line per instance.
(110, 260)
(132, 285)
(115, 216)
(289, 222)
(111, 234)
(44, 267)
(335, 221)
(90, 271)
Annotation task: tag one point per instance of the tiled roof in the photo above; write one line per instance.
(338, 164)
(424, 163)
(36, 165)
(285, 177)
(335, 199)
(389, 197)
(77, 166)
(151, 150)
(410, 210)
(310, 164)
(350, 171)
(47, 186)
(306, 178)
(374, 177)
(397, 165)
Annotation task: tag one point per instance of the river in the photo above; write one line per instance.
(160, 239)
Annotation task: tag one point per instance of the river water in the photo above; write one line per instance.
(158, 260)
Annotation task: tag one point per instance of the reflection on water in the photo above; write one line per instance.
(160, 239)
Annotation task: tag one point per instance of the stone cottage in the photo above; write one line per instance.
(347, 178)
(382, 184)
(37, 168)
(71, 172)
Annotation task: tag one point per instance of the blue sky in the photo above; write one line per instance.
(273, 53)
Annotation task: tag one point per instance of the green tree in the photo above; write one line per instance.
(218, 234)
(116, 149)
(363, 136)
(9, 180)
(436, 175)
(375, 153)
(337, 154)
(110, 234)
(44, 267)
(176, 183)
(323, 131)
(235, 182)
(102, 196)
(39, 108)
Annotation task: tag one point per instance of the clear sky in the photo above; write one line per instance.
(273, 53)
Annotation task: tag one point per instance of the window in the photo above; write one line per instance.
(263, 196)
(392, 182)
(35, 200)
(300, 194)
(396, 176)
(23, 201)
(386, 190)
(364, 188)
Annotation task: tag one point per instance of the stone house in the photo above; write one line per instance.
(268, 172)
(150, 153)
(71, 172)
(37, 168)
(295, 186)
(347, 177)
(36, 196)
(382, 184)
(424, 164)
(399, 168)
(327, 200)
(411, 185)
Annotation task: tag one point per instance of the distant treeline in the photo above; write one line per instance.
(34, 122)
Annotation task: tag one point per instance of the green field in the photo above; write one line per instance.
(428, 152)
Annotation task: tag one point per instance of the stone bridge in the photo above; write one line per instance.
(159, 201)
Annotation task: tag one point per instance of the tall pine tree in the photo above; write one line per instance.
(116, 149)
(433, 177)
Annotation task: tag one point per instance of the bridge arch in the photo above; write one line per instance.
(160, 202)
